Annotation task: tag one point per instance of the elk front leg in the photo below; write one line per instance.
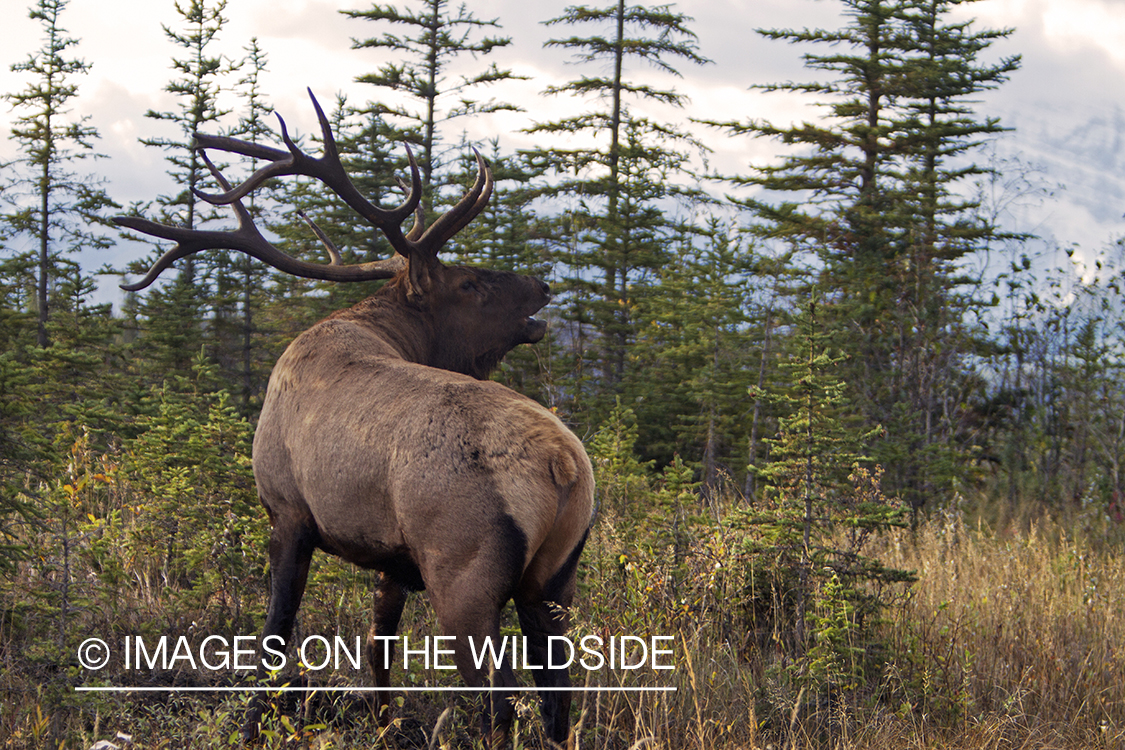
(389, 599)
(291, 548)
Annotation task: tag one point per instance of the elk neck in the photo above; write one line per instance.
(404, 326)
(458, 328)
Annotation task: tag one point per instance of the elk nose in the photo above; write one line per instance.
(544, 287)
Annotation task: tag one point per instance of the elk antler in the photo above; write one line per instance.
(421, 243)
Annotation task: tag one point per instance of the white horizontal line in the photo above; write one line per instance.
(259, 689)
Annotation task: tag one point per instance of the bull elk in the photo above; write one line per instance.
(380, 440)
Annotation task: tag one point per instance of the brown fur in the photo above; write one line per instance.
(380, 442)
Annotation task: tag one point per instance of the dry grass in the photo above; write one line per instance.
(1019, 638)
(1006, 641)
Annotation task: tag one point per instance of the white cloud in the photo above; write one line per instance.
(1078, 25)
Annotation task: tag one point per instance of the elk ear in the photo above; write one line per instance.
(423, 274)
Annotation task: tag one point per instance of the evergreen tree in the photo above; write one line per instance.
(822, 506)
(933, 329)
(59, 208)
(843, 168)
(433, 49)
(79, 377)
(198, 90)
(941, 73)
(241, 282)
(693, 348)
(54, 347)
(22, 450)
(175, 313)
(875, 208)
(191, 462)
(616, 227)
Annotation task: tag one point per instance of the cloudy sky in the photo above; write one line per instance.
(1067, 103)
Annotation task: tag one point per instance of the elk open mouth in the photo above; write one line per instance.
(534, 330)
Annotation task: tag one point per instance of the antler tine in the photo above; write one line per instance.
(458, 217)
(283, 163)
(327, 169)
(219, 178)
(419, 215)
(183, 247)
(331, 172)
(334, 258)
(481, 201)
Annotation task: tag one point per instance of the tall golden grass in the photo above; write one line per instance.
(1017, 639)
(1008, 639)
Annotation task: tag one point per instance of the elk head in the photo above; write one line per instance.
(466, 319)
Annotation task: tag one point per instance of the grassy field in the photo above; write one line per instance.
(1013, 636)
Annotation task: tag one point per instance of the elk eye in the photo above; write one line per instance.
(467, 285)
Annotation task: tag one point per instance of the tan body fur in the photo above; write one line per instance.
(435, 478)
(455, 451)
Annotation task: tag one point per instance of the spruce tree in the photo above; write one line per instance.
(809, 532)
(874, 212)
(57, 207)
(611, 239)
(79, 377)
(23, 449)
(197, 90)
(56, 347)
(430, 56)
(937, 299)
(174, 330)
(241, 282)
(693, 348)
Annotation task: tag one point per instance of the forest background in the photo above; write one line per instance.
(823, 388)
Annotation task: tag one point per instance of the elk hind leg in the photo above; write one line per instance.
(472, 616)
(291, 549)
(542, 611)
